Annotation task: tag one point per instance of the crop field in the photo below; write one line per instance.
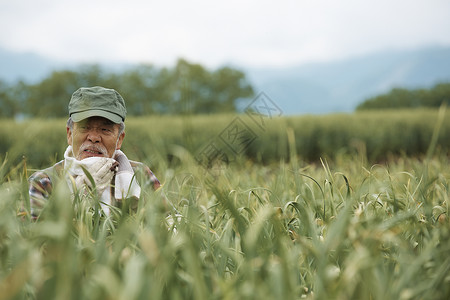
(329, 207)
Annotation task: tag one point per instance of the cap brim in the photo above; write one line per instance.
(78, 116)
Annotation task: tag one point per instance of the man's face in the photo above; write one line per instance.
(95, 136)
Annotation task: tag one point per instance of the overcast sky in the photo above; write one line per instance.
(245, 32)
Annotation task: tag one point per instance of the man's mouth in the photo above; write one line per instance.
(93, 152)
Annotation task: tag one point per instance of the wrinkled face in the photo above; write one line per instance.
(95, 136)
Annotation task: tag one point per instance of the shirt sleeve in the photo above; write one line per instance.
(40, 188)
(151, 178)
(146, 176)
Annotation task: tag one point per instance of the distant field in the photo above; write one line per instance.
(375, 136)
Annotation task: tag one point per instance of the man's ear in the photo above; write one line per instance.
(120, 140)
(69, 136)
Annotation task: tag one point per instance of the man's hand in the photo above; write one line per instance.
(101, 169)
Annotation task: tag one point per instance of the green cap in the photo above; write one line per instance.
(97, 101)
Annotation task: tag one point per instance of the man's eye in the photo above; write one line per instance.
(106, 130)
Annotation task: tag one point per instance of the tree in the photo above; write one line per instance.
(136, 85)
(8, 107)
(404, 98)
(50, 97)
(190, 88)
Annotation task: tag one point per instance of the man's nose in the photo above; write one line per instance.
(94, 136)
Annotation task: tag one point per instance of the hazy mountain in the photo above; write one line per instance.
(309, 88)
(339, 86)
(29, 67)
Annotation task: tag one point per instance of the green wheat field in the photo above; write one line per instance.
(351, 206)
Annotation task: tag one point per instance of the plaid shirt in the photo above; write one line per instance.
(41, 184)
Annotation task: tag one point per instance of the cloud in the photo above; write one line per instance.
(212, 32)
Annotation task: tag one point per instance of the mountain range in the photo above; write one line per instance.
(313, 88)
(339, 86)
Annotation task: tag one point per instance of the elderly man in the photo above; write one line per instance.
(95, 132)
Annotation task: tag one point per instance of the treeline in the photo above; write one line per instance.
(184, 88)
(406, 98)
